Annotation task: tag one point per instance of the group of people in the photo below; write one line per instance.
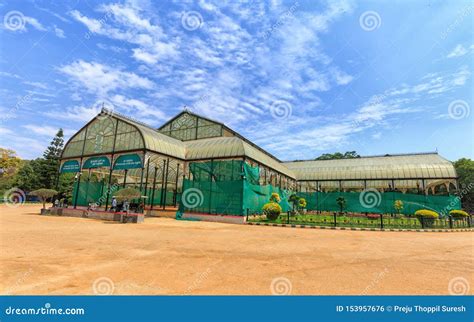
(60, 203)
(114, 206)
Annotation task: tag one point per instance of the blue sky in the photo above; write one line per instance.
(299, 78)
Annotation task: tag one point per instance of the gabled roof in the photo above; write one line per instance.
(224, 126)
(155, 141)
(186, 111)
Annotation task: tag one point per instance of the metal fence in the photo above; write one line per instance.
(370, 221)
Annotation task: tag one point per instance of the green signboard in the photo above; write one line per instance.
(128, 161)
(96, 162)
(70, 166)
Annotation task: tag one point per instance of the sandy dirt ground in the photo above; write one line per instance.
(63, 255)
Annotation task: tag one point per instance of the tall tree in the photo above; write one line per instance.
(50, 162)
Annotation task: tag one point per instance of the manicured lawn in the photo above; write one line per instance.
(327, 219)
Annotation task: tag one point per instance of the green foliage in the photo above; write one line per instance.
(341, 201)
(44, 194)
(275, 197)
(465, 170)
(293, 198)
(338, 155)
(34, 174)
(27, 178)
(459, 213)
(272, 210)
(302, 203)
(9, 166)
(50, 163)
(398, 205)
(127, 194)
(425, 213)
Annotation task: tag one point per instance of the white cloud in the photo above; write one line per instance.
(45, 130)
(333, 131)
(59, 32)
(458, 51)
(126, 22)
(137, 108)
(34, 22)
(101, 79)
(79, 114)
(36, 84)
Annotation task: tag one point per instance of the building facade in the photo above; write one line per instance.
(113, 151)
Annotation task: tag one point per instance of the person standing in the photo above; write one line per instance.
(114, 204)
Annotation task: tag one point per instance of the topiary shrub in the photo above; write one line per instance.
(272, 210)
(302, 203)
(459, 214)
(275, 197)
(425, 213)
(426, 217)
